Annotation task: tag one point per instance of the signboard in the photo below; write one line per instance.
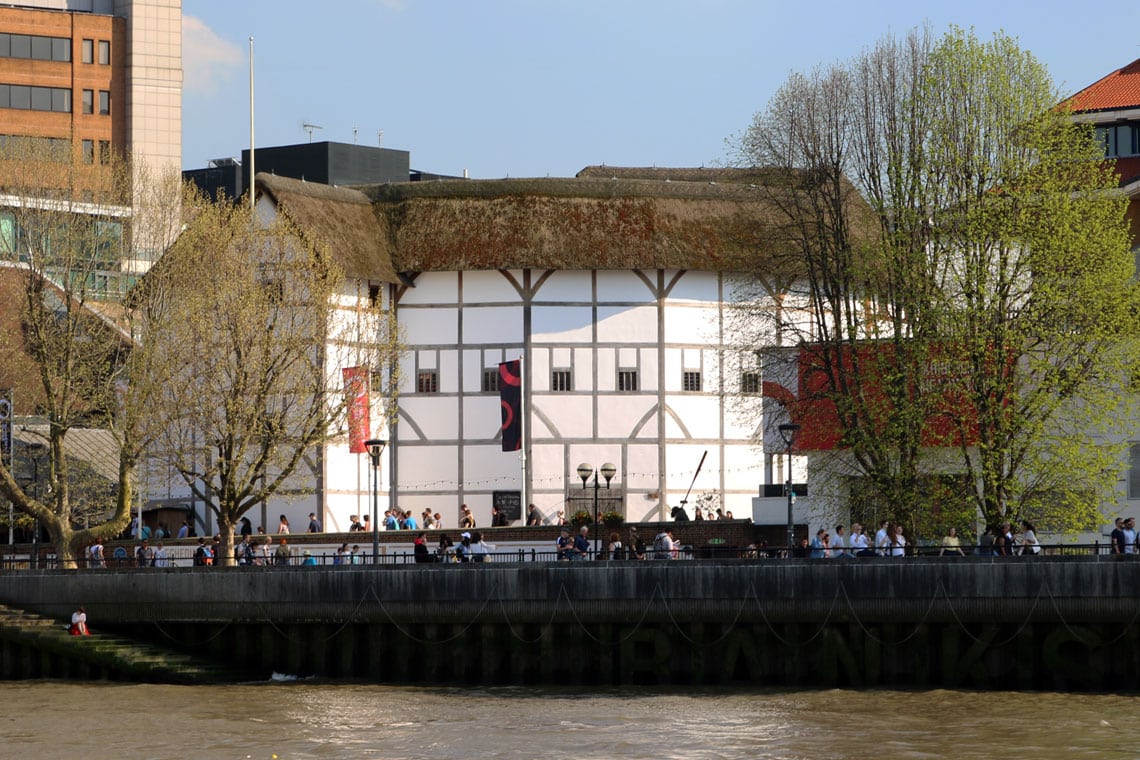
(509, 504)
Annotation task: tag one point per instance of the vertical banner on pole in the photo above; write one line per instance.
(6, 428)
(356, 402)
(510, 399)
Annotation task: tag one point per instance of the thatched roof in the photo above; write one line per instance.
(576, 223)
(605, 218)
(339, 218)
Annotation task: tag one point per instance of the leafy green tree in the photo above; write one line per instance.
(966, 270)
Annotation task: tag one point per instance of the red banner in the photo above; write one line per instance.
(356, 402)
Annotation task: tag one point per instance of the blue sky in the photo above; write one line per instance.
(532, 88)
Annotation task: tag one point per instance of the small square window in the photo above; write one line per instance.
(104, 53)
(491, 380)
(88, 101)
(560, 380)
(88, 151)
(427, 381)
(88, 51)
(373, 295)
(750, 382)
(104, 152)
(627, 380)
(691, 380)
(104, 103)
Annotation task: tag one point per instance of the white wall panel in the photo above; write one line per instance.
(572, 414)
(691, 324)
(429, 326)
(699, 413)
(482, 417)
(694, 286)
(492, 324)
(433, 288)
(565, 287)
(619, 414)
(428, 467)
(634, 324)
(583, 369)
(435, 415)
(562, 324)
(448, 371)
(488, 287)
(624, 286)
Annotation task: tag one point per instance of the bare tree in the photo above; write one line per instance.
(245, 350)
(67, 242)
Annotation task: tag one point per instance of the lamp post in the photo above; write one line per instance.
(608, 470)
(788, 432)
(375, 449)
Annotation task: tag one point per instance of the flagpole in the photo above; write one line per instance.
(251, 143)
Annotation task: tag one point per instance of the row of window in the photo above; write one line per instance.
(32, 98)
(40, 48)
(1119, 140)
(54, 148)
(35, 47)
(561, 380)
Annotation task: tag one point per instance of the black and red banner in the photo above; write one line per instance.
(510, 399)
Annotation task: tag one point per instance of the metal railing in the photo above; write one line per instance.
(183, 557)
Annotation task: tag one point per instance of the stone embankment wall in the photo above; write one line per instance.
(1051, 623)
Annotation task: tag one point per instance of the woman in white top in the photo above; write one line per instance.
(283, 526)
(1029, 543)
(898, 542)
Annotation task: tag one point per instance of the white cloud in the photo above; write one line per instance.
(207, 59)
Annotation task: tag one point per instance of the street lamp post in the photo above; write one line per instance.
(788, 432)
(375, 449)
(608, 470)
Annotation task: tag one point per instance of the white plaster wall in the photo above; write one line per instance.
(620, 414)
(489, 287)
(562, 324)
(571, 414)
(627, 324)
(701, 287)
(566, 287)
(492, 324)
(434, 415)
(482, 417)
(623, 286)
(432, 288)
(434, 327)
(692, 323)
(700, 414)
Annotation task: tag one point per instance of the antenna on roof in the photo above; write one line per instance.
(354, 128)
(309, 128)
(379, 137)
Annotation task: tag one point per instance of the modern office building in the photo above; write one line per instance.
(101, 79)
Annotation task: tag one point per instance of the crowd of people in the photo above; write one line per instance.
(890, 541)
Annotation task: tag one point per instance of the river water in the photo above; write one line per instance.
(314, 720)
